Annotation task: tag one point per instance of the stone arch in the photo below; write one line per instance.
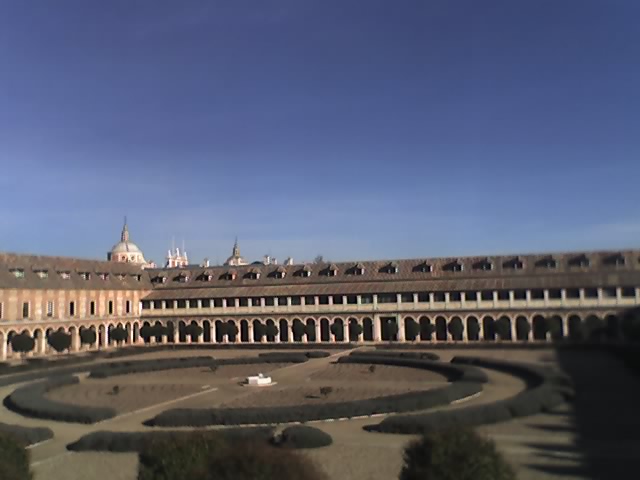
(489, 328)
(10, 335)
(182, 335)
(311, 330)
(325, 333)
(367, 329)
(473, 328)
(232, 335)
(555, 327)
(574, 324)
(441, 328)
(244, 331)
(283, 326)
(389, 329)
(271, 323)
(136, 332)
(456, 328)
(352, 337)
(102, 336)
(128, 328)
(339, 329)
(504, 328)
(539, 328)
(256, 326)
(171, 332)
(523, 328)
(426, 329)
(219, 330)
(206, 331)
(408, 334)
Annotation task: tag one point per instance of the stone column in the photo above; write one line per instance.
(345, 330)
(513, 330)
(250, 331)
(130, 335)
(75, 341)
(377, 333)
(401, 333)
(3, 350)
(318, 332)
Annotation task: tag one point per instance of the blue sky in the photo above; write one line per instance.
(346, 128)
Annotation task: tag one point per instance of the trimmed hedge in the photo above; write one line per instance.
(14, 459)
(30, 400)
(546, 390)
(466, 373)
(302, 436)
(317, 354)
(105, 441)
(388, 353)
(26, 435)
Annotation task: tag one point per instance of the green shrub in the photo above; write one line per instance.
(302, 436)
(458, 454)
(14, 459)
(206, 456)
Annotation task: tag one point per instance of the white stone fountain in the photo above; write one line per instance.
(258, 381)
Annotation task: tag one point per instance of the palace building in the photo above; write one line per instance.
(506, 298)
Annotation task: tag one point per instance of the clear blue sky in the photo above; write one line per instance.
(352, 129)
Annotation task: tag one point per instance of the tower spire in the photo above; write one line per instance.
(236, 248)
(124, 236)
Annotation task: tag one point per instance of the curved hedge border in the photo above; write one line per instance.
(27, 435)
(30, 400)
(155, 365)
(302, 436)
(384, 351)
(546, 390)
(467, 382)
(454, 373)
(105, 441)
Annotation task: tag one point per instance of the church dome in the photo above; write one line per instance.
(236, 259)
(125, 251)
(125, 247)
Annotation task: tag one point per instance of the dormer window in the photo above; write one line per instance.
(103, 276)
(279, 272)
(454, 266)
(580, 261)
(121, 276)
(513, 264)
(182, 277)
(357, 269)
(615, 260)
(305, 271)
(206, 276)
(41, 273)
(330, 271)
(253, 274)
(136, 277)
(484, 265)
(391, 267)
(547, 262)
(159, 279)
(85, 275)
(65, 275)
(423, 267)
(17, 272)
(230, 275)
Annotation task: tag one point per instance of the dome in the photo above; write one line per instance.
(126, 251)
(125, 247)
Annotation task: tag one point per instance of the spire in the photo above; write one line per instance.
(124, 236)
(236, 248)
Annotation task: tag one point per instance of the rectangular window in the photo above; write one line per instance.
(231, 302)
(244, 302)
(627, 292)
(296, 300)
(309, 300)
(72, 309)
(182, 304)
(110, 307)
(455, 296)
(337, 299)
(25, 310)
(406, 298)
(157, 304)
(486, 295)
(503, 295)
(92, 308)
(205, 303)
(255, 302)
(146, 304)
(519, 294)
(49, 309)
(127, 306)
(324, 300)
(573, 293)
(217, 303)
(387, 298)
(269, 301)
(282, 301)
(438, 296)
(537, 294)
(590, 293)
(352, 299)
(555, 294)
(471, 296)
(423, 297)
(366, 299)
(609, 292)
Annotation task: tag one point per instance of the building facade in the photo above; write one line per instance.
(496, 298)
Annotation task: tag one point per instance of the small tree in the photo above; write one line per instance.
(298, 329)
(325, 391)
(523, 328)
(59, 341)
(458, 454)
(413, 329)
(259, 331)
(271, 331)
(310, 332)
(194, 330)
(88, 336)
(146, 332)
(456, 328)
(232, 330)
(473, 330)
(338, 331)
(23, 343)
(503, 328)
(118, 335)
(355, 330)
